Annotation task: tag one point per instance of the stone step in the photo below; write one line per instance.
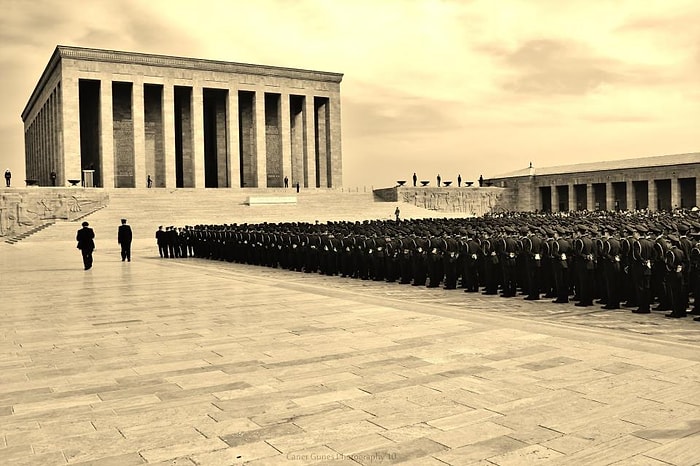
(146, 209)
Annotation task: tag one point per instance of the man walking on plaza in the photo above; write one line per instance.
(124, 237)
(86, 244)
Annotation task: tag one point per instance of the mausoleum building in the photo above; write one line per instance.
(656, 183)
(113, 119)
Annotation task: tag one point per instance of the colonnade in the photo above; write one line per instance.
(661, 192)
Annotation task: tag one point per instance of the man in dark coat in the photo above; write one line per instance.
(161, 241)
(86, 244)
(124, 239)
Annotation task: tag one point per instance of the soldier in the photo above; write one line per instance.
(677, 293)
(471, 254)
(561, 258)
(491, 263)
(611, 268)
(532, 244)
(507, 250)
(642, 255)
(585, 264)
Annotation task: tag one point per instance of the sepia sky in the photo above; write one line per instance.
(464, 86)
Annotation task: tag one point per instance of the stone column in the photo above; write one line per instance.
(198, 134)
(572, 197)
(310, 143)
(137, 110)
(554, 198)
(652, 196)
(336, 170)
(70, 114)
(609, 196)
(260, 143)
(631, 199)
(234, 147)
(286, 136)
(590, 198)
(675, 192)
(169, 133)
(106, 132)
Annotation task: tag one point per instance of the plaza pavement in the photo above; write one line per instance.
(188, 361)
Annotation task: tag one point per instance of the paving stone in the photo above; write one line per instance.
(481, 450)
(398, 453)
(324, 365)
(532, 454)
(240, 454)
(128, 459)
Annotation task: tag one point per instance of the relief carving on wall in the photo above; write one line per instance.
(470, 201)
(22, 211)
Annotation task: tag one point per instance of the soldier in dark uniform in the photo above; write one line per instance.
(658, 270)
(161, 242)
(532, 244)
(420, 259)
(676, 289)
(611, 268)
(585, 264)
(642, 255)
(561, 251)
(491, 263)
(471, 254)
(435, 265)
(450, 247)
(508, 251)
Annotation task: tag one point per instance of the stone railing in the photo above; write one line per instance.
(25, 209)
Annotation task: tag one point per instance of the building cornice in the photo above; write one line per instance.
(167, 61)
(48, 71)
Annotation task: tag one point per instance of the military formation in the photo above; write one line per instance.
(639, 260)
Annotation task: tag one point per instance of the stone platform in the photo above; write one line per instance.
(187, 361)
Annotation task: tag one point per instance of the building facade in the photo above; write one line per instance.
(655, 183)
(116, 119)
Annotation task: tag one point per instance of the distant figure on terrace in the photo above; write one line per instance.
(415, 179)
(286, 182)
(481, 180)
(397, 212)
(438, 180)
(8, 176)
(149, 181)
(52, 175)
(459, 180)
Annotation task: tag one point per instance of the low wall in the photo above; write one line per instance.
(469, 201)
(22, 209)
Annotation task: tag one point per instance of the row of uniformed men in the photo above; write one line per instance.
(625, 263)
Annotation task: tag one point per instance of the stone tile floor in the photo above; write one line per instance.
(188, 361)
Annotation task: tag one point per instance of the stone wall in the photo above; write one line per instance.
(470, 201)
(24, 209)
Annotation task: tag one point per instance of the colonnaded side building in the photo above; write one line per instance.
(656, 183)
(118, 117)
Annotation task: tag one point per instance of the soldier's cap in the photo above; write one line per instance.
(560, 230)
(524, 230)
(510, 230)
(85, 224)
(641, 228)
(549, 231)
(673, 238)
(581, 227)
(683, 228)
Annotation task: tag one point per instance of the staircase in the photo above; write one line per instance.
(28, 233)
(146, 209)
